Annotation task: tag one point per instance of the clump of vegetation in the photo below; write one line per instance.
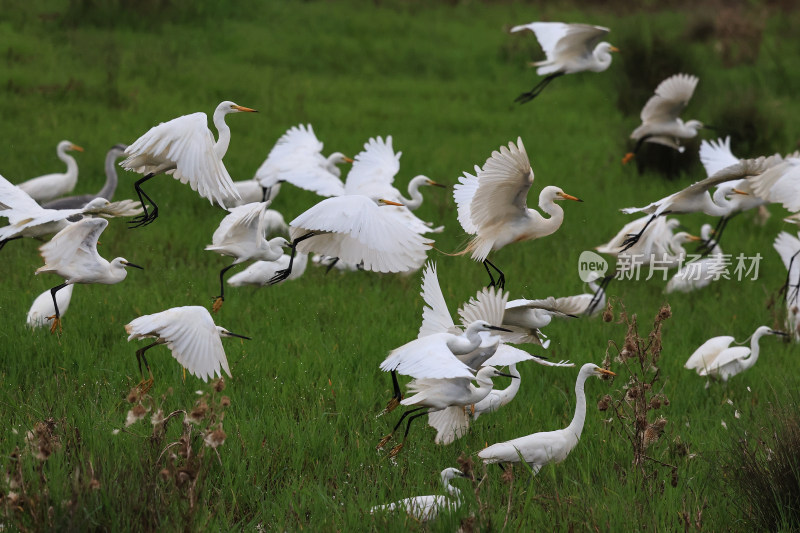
(762, 470)
(636, 406)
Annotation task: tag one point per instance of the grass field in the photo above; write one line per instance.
(301, 424)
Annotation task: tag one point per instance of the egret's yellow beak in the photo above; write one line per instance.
(245, 109)
(614, 49)
(566, 196)
(348, 159)
(606, 372)
(693, 238)
(75, 147)
(435, 184)
(389, 202)
(737, 191)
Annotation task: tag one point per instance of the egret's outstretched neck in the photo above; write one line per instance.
(549, 225)
(453, 491)
(110, 186)
(413, 191)
(513, 388)
(72, 165)
(224, 137)
(576, 426)
(754, 349)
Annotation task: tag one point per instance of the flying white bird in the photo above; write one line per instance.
(359, 230)
(716, 359)
(696, 197)
(297, 158)
(108, 190)
(185, 148)
(788, 247)
(261, 272)
(190, 334)
(72, 254)
(661, 122)
(242, 235)
(42, 307)
(543, 448)
(492, 205)
(569, 48)
(28, 219)
(425, 508)
(51, 186)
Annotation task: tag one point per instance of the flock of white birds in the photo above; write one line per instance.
(365, 223)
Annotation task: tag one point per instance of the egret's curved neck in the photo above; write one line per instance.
(593, 286)
(451, 490)
(550, 225)
(110, 187)
(72, 165)
(724, 206)
(576, 426)
(754, 349)
(601, 57)
(413, 191)
(507, 394)
(224, 137)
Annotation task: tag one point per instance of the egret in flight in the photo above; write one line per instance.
(185, 148)
(569, 48)
(492, 205)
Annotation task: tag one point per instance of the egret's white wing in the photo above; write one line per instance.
(508, 355)
(311, 176)
(503, 186)
(726, 357)
(716, 155)
(240, 224)
(616, 243)
(489, 305)
(435, 315)
(708, 352)
(355, 229)
(547, 33)
(579, 41)
(74, 246)
(427, 358)
(297, 139)
(671, 97)
(450, 424)
(274, 222)
(787, 246)
(187, 145)
(16, 204)
(191, 335)
(260, 272)
(375, 166)
(463, 193)
(780, 184)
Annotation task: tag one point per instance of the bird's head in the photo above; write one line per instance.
(122, 262)
(492, 372)
(383, 201)
(225, 333)
(555, 194)
(279, 241)
(482, 325)
(425, 181)
(338, 158)
(592, 369)
(766, 330)
(96, 204)
(695, 125)
(67, 145)
(606, 48)
(231, 107)
(684, 237)
(450, 473)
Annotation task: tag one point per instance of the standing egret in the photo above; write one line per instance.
(190, 334)
(547, 447)
(260, 272)
(425, 508)
(72, 254)
(661, 122)
(185, 148)
(357, 229)
(701, 272)
(42, 307)
(716, 359)
(569, 48)
(788, 247)
(696, 198)
(108, 190)
(51, 186)
(491, 205)
(241, 234)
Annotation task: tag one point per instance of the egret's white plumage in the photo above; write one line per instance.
(788, 247)
(543, 448)
(51, 186)
(425, 508)
(190, 334)
(492, 203)
(108, 190)
(42, 307)
(185, 148)
(261, 272)
(700, 272)
(717, 359)
(569, 48)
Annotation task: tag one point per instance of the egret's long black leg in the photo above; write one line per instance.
(281, 275)
(394, 451)
(221, 298)
(140, 357)
(598, 295)
(533, 93)
(707, 246)
(331, 265)
(501, 281)
(792, 290)
(630, 155)
(265, 193)
(57, 317)
(146, 217)
(634, 238)
(4, 241)
(397, 395)
(386, 439)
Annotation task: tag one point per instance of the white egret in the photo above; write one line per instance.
(569, 48)
(51, 186)
(547, 447)
(425, 508)
(72, 254)
(42, 307)
(716, 359)
(661, 122)
(357, 229)
(190, 334)
(261, 272)
(185, 148)
(788, 247)
(108, 190)
(297, 158)
(28, 219)
(491, 205)
(701, 272)
(241, 234)
(334, 262)
(696, 198)
(780, 184)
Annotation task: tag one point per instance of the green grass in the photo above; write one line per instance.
(301, 427)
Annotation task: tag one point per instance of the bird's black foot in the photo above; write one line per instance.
(279, 276)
